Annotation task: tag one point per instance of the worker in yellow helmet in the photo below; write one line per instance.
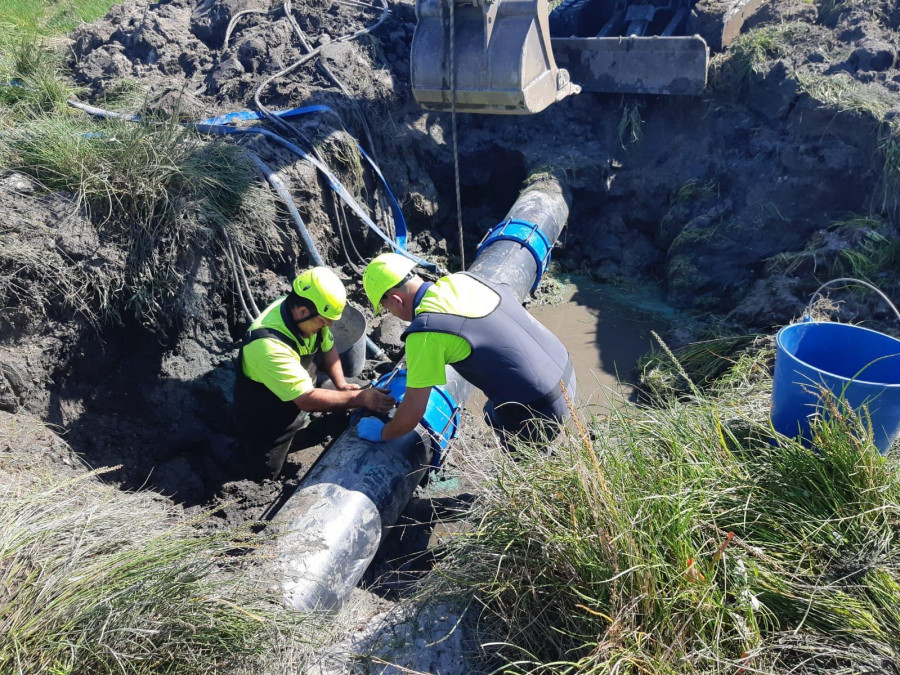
(482, 331)
(275, 386)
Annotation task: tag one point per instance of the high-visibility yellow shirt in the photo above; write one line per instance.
(274, 364)
(427, 354)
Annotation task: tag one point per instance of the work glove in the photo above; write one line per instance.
(369, 429)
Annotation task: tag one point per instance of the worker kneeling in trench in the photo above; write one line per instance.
(481, 330)
(275, 386)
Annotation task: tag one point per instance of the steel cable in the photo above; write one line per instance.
(459, 223)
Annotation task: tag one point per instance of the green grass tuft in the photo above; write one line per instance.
(49, 17)
(678, 539)
(157, 192)
(718, 361)
(42, 90)
(749, 53)
(846, 94)
(857, 246)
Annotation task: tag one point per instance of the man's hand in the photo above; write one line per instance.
(348, 386)
(377, 400)
(369, 429)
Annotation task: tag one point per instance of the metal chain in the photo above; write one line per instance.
(459, 223)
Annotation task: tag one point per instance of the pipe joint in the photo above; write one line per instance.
(528, 235)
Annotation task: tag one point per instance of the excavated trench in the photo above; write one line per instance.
(679, 207)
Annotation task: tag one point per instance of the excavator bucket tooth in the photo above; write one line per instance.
(501, 57)
(636, 65)
(720, 21)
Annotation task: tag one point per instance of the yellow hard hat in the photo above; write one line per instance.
(382, 274)
(321, 286)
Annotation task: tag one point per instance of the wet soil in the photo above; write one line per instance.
(695, 201)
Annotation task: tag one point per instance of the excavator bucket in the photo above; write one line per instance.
(644, 46)
(636, 65)
(501, 57)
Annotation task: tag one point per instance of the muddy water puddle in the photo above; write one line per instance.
(605, 336)
(606, 331)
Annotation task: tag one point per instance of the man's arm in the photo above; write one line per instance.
(325, 400)
(408, 415)
(331, 364)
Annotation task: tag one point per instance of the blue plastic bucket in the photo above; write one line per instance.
(859, 365)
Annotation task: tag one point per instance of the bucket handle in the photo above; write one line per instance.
(807, 315)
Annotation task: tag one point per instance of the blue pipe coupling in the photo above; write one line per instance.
(528, 235)
(441, 419)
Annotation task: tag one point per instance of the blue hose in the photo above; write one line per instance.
(333, 182)
(245, 115)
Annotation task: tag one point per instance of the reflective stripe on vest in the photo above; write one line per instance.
(514, 357)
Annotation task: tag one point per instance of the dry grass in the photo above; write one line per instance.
(94, 580)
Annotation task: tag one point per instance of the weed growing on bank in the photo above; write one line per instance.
(157, 193)
(678, 539)
(95, 580)
(49, 17)
(31, 80)
(746, 57)
(855, 246)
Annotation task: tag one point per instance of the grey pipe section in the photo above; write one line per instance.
(331, 527)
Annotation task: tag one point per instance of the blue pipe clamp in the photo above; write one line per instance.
(528, 235)
(441, 419)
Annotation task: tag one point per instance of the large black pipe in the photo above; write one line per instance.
(331, 527)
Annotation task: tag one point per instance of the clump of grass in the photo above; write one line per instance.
(630, 125)
(344, 156)
(157, 192)
(857, 246)
(686, 204)
(846, 94)
(94, 580)
(678, 539)
(717, 361)
(49, 17)
(749, 53)
(31, 81)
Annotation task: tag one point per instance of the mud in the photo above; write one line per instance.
(694, 201)
(605, 335)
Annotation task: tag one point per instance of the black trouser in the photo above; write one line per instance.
(530, 424)
(266, 425)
